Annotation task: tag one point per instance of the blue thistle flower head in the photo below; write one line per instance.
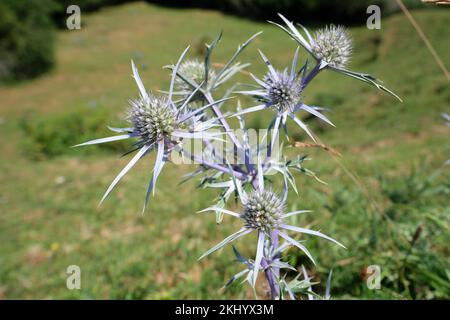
(263, 211)
(283, 90)
(447, 119)
(160, 124)
(153, 119)
(195, 71)
(332, 45)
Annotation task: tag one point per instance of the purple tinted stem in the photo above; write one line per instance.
(272, 273)
(273, 285)
(223, 121)
(311, 75)
(275, 244)
(201, 161)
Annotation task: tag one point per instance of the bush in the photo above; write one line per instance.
(407, 238)
(305, 10)
(48, 136)
(348, 11)
(87, 5)
(26, 38)
(60, 14)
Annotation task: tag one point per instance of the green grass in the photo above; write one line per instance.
(397, 150)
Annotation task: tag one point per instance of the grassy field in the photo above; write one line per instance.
(49, 193)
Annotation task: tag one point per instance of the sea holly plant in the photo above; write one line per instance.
(241, 164)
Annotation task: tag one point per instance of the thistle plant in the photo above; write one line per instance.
(190, 110)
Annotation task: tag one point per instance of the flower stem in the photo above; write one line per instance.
(222, 120)
(239, 175)
(272, 273)
(273, 285)
(311, 75)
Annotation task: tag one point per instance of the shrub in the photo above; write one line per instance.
(60, 14)
(26, 33)
(88, 5)
(348, 11)
(49, 136)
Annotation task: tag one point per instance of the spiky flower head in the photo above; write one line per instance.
(193, 70)
(263, 211)
(284, 92)
(447, 119)
(333, 45)
(153, 119)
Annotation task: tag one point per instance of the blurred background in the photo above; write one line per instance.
(386, 198)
